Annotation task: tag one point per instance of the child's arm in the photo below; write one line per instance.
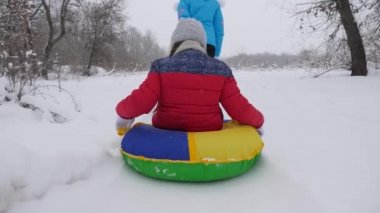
(238, 107)
(143, 99)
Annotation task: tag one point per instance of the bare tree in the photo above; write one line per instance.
(331, 16)
(53, 37)
(139, 49)
(102, 23)
(371, 25)
(18, 55)
(150, 48)
(354, 38)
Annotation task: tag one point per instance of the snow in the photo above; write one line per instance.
(320, 155)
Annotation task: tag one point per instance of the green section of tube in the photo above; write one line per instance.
(188, 171)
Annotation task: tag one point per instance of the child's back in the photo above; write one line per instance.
(192, 85)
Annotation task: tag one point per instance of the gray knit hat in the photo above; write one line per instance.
(189, 29)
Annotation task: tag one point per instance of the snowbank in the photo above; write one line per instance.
(320, 154)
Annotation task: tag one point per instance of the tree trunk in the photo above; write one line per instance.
(29, 46)
(90, 58)
(354, 39)
(45, 61)
(51, 39)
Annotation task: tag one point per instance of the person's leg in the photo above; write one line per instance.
(211, 50)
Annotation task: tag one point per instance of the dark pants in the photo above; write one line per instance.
(210, 50)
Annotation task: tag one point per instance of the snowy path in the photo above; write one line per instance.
(320, 155)
(113, 189)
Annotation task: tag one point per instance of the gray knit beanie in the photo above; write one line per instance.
(189, 29)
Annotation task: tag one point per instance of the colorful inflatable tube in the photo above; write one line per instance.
(191, 156)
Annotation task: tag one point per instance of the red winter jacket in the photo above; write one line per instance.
(187, 89)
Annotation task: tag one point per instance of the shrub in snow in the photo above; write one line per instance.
(55, 103)
(95, 70)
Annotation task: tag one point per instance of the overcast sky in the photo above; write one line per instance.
(251, 26)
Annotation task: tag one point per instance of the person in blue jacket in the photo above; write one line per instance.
(209, 13)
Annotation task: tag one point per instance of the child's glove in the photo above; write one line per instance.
(122, 125)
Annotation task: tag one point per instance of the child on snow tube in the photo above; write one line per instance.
(187, 88)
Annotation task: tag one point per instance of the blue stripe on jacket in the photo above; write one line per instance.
(191, 61)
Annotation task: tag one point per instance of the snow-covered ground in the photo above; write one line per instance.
(320, 155)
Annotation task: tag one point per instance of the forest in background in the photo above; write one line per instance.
(37, 34)
(38, 38)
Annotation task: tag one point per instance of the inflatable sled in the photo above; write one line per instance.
(191, 156)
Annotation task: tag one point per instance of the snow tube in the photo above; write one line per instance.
(191, 156)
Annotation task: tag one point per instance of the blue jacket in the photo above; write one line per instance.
(209, 13)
